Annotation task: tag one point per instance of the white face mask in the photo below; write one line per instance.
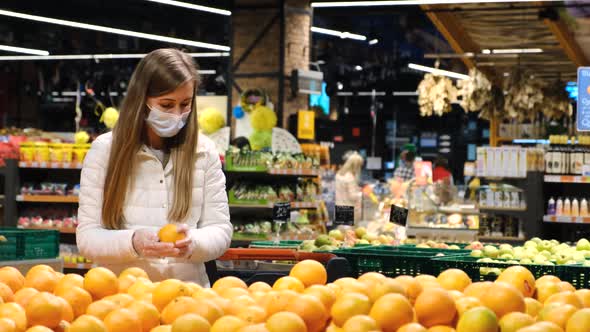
(166, 124)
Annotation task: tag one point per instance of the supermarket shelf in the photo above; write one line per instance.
(277, 172)
(566, 219)
(567, 179)
(48, 165)
(500, 209)
(294, 205)
(47, 199)
(79, 266)
(63, 230)
(500, 238)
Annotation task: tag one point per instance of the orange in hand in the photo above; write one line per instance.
(169, 233)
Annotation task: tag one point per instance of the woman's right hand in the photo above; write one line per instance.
(147, 244)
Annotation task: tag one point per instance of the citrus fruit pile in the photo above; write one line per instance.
(46, 301)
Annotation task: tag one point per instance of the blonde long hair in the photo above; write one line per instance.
(353, 165)
(158, 73)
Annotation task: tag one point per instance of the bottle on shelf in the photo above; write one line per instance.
(584, 208)
(559, 207)
(551, 207)
(567, 207)
(575, 208)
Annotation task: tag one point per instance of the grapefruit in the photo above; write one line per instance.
(101, 282)
(169, 233)
(392, 311)
(514, 321)
(519, 277)
(285, 322)
(479, 319)
(435, 307)
(310, 272)
(454, 279)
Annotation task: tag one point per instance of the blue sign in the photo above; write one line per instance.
(583, 118)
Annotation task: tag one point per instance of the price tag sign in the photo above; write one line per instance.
(344, 215)
(281, 211)
(398, 215)
(583, 114)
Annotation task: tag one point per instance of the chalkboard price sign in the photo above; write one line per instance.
(281, 211)
(398, 215)
(344, 215)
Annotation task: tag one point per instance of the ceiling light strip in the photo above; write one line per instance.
(23, 50)
(113, 30)
(193, 6)
(413, 3)
(99, 56)
(341, 34)
(439, 71)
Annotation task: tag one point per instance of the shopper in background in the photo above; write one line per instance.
(441, 171)
(348, 190)
(405, 170)
(152, 170)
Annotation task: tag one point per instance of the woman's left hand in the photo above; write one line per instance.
(185, 246)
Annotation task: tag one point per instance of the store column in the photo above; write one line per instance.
(270, 39)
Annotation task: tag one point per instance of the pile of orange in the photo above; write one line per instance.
(47, 301)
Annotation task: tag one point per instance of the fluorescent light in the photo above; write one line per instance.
(517, 51)
(486, 51)
(412, 2)
(23, 50)
(341, 34)
(340, 86)
(114, 30)
(358, 68)
(373, 41)
(193, 6)
(207, 72)
(438, 71)
(99, 56)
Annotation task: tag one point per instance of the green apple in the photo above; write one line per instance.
(360, 232)
(363, 241)
(583, 244)
(548, 263)
(423, 246)
(545, 245)
(579, 257)
(554, 242)
(571, 262)
(323, 240)
(336, 234)
(485, 260)
(484, 271)
(505, 246)
(370, 237)
(476, 253)
(495, 271)
(586, 253)
(491, 251)
(586, 263)
(530, 244)
(526, 261)
(546, 253)
(536, 240)
(454, 247)
(506, 256)
(540, 259)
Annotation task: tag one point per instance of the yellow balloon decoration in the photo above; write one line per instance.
(109, 117)
(211, 120)
(263, 118)
(81, 137)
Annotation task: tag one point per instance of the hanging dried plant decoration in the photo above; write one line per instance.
(435, 95)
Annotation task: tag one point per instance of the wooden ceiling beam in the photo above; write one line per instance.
(450, 27)
(567, 42)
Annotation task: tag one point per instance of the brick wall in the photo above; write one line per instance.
(264, 58)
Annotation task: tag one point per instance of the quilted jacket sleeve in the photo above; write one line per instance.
(214, 230)
(93, 240)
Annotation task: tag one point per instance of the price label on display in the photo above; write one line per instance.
(281, 211)
(583, 105)
(398, 215)
(344, 215)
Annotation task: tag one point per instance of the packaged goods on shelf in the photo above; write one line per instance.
(513, 162)
(50, 188)
(51, 216)
(501, 196)
(499, 226)
(570, 207)
(567, 156)
(261, 161)
(70, 254)
(43, 152)
(243, 192)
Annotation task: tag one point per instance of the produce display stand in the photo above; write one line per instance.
(265, 267)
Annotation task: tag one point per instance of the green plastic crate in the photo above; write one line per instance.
(473, 268)
(25, 244)
(287, 244)
(460, 245)
(576, 274)
(391, 262)
(412, 248)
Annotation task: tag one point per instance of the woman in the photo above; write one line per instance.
(348, 191)
(155, 169)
